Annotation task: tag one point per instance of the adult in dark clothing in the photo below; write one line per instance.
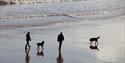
(27, 39)
(60, 38)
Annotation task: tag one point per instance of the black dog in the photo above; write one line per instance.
(94, 39)
(40, 44)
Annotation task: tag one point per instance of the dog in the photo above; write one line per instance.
(94, 39)
(40, 44)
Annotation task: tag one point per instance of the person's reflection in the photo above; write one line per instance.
(27, 57)
(40, 52)
(59, 58)
(94, 46)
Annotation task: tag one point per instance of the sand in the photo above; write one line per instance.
(75, 48)
(46, 21)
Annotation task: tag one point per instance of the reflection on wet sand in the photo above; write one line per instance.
(27, 57)
(95, 46)
(59, 58)
(40, 52)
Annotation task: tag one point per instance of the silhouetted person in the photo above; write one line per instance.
(60, 38)
(27, 57)
(93, 46)
(27, 40)
(59, 58)
(40, 52)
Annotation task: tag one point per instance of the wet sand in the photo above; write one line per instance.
(79, 21)
(75, 48)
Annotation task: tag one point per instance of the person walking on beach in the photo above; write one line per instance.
(27, 40)
(60, 38)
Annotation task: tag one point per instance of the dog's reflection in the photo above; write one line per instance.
(40, 52)
(59, 58)
(95, 46)
(27, 57)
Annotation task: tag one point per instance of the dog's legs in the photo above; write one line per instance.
(90, 42)
(38, 47)
(97, 43)
(42, 47)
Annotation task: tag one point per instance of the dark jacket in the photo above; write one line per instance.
(28, 37)
(60, 37)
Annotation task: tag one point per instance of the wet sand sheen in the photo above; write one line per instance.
(75, 48)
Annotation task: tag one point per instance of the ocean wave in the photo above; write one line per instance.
(33, 16)
(93, 14)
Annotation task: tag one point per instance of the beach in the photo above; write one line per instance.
(45, 22)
